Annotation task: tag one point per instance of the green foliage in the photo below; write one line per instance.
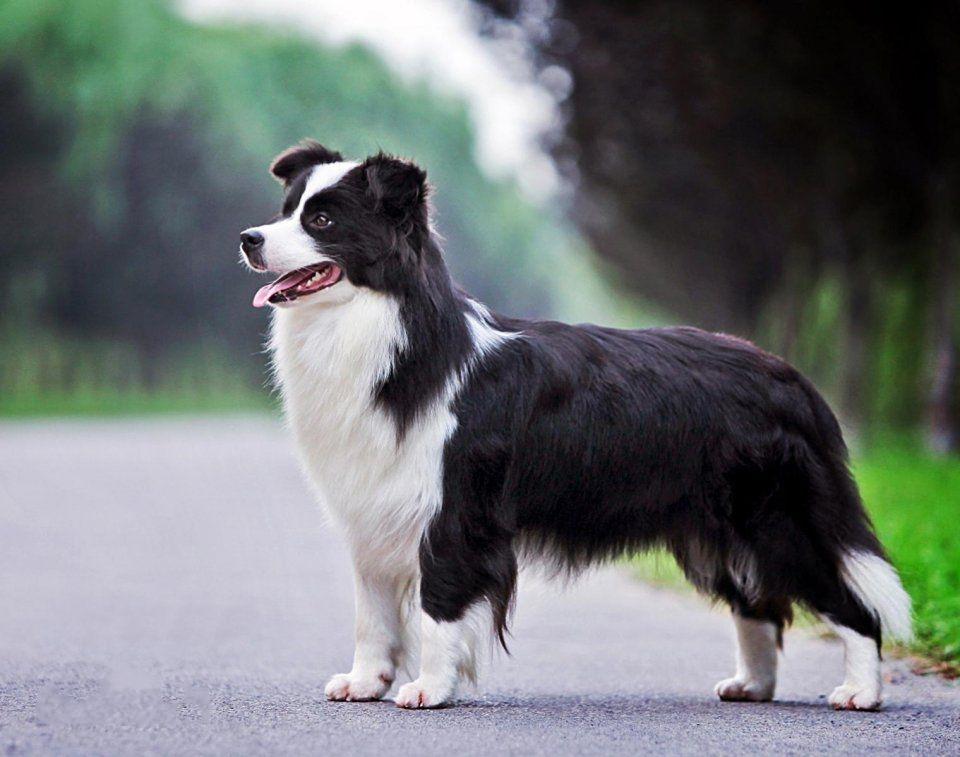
(818, 348)
(154, 134)
(896, 376)
(900, 361)
(103, 64)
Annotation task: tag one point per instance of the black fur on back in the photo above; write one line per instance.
(579, 444)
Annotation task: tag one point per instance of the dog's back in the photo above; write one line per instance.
(595, 442)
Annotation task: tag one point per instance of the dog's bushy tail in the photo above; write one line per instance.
(876, 585)
(864, 568)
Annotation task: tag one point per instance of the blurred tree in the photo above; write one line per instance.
(135, 147)
(732, 160)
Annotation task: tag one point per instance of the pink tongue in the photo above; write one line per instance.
(263, 295)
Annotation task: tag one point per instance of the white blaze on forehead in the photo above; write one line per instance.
(286, 245)
(323, 177)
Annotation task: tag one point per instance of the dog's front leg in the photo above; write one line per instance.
(379, 645)
(466, 588)
(448, 656)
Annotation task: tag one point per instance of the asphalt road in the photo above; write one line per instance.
(167, 587)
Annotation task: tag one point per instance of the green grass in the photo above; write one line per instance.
(915, 504)
(658, 568)
(54, 375)
(103, 403)
(914, 501)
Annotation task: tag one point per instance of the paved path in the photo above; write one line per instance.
(167, 587)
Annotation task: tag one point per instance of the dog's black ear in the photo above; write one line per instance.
(291, 162)
(398, 188)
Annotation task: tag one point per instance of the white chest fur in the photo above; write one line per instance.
(382, 492)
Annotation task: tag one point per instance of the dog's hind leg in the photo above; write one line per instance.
(862, 688)
(759, 629)
(756, 674)
(860, 600)
(845, 578)
(859, 630)
(734, 575)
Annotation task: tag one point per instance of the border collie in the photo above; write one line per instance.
(451, 443)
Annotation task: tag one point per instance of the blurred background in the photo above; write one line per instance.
(786, 172)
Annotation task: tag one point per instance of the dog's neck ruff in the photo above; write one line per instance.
(328, 363)
(369, 399)
(401, 355)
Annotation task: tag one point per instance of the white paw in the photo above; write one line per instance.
(852, 697)
(422, 693)
(352, 687)
(740, 690)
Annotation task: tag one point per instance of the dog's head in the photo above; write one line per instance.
(343, 225)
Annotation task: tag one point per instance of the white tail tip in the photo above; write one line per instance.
(876, 584)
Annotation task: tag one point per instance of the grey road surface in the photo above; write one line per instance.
(167, 587)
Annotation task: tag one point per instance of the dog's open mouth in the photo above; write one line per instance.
(298, 283)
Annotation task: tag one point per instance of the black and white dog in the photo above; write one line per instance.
(451, 443)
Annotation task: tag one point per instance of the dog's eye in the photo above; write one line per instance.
(320, 221)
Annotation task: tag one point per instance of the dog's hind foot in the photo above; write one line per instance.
(852, 697)
(740, 690)
(424, 694)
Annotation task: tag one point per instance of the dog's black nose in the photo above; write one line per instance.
(251, 242)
